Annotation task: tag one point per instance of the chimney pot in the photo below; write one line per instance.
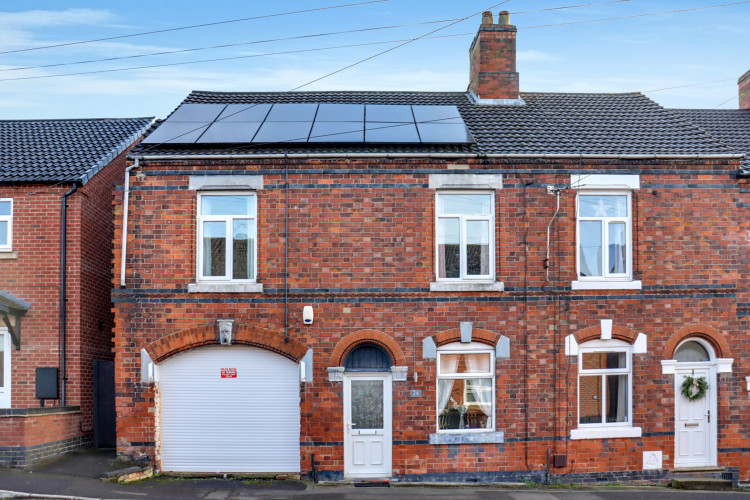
(486, 17)
(504, 19)
(493, 77)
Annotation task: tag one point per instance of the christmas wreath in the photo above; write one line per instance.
(694, 388)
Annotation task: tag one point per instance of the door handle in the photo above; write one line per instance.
(708, 414)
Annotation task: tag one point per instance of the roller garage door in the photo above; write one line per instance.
(229, 409)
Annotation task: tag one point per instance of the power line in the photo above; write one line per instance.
(688, 85)
(568, 7)
(180, 28)
(723, 103)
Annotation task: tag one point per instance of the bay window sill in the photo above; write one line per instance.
(467, 286)
(467, 438)
(605, 285)
(605, 433)
(225, 287)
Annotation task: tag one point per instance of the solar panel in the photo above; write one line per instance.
(196, 113)
(292, 112)
(220, 132)
(340, 113)
(244, 113)
(437, 114)
(455, 133)
(386, 132)
(337, 132)
(283, 132)
(172, 132)
(388, 113)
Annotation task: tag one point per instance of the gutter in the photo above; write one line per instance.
(278, 156)
(125, 220)
(63, 291)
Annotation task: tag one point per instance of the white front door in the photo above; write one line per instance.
(367, 425)
(695, 421)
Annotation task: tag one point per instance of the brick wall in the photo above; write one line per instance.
(361, 251)
(492, 61)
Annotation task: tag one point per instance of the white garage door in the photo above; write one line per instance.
(229, 409)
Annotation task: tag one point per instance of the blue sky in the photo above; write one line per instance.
(634, 54)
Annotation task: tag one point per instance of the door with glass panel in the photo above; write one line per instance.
(367, 425)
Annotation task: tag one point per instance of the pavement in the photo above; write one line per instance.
(78, 476)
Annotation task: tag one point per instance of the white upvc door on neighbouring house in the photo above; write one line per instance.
(695, 421)
(367, 425)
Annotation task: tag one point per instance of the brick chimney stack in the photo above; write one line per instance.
(493, 75)
(744, 87)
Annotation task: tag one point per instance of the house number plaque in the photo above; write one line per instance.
(415, 393)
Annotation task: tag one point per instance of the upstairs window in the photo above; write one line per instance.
(465, 236)
(604, 235)
(227, 237)
(6, 224)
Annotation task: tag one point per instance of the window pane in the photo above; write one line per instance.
(449, 263)
(465, 363)
(242, 251)
(214, 248)
(477, 247)
(589, 400)
(227, 205)
(367, 404)
(617, 398)
(603, 206)
(690, 352)
(4, 208)
(618, 248)
(465, 404)
(604, 360)
(480, 204)
(591, 248)
(3, 232)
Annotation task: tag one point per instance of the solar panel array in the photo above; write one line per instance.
(312, 123)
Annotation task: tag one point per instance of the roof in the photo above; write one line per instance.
(9, 302)
(547, 124)
(731, 126)
(63, 150)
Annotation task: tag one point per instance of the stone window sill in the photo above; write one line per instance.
(606, 285)
(467, 438)
(225, 287)
(605, 432)
(8, 255)
(467, 286)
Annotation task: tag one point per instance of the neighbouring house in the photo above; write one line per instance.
(56, 229)
(479, 286)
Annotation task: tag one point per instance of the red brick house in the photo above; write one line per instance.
(485, 286)
(56, 179)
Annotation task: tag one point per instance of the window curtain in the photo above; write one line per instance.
(448, 364)
(480, 387)
(618, 263)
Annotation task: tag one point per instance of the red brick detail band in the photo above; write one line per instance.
(595, 332)
(380, 339)
(699, 330)
(477, 335)
(198, 336)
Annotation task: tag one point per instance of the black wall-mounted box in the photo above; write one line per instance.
(46, 383)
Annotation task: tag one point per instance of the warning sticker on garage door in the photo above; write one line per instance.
(229, 373)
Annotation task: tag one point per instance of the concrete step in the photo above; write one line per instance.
(702, 483)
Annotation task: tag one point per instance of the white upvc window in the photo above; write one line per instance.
(6, 224)
(604, 384)
(5, 350)
(466, 388)
(465, 236)
(604, 235)
(227, 237)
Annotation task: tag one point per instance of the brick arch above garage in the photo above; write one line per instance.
(204, 335)
(698, 330)
(358, 338)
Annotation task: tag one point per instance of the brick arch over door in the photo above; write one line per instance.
(705, 332)
(595, 332)
(380, 339)
(203, 335)
(477, 335)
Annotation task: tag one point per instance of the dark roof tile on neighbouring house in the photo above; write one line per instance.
(731, 126)
(63, 150)
(547, 124)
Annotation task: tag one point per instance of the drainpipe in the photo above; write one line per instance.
(125, 220)
(63, 290)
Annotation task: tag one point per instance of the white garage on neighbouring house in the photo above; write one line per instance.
(229, 409)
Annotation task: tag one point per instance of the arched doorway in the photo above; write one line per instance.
(695, 419)
(367, 413)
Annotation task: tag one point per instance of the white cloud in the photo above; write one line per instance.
(535, 55)
(46, 18)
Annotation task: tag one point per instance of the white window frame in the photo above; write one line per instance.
(463, 218)
(9, 220)
(227, 278)
(605, 429)
(5, 388)
(468, 348)
(628, 221)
